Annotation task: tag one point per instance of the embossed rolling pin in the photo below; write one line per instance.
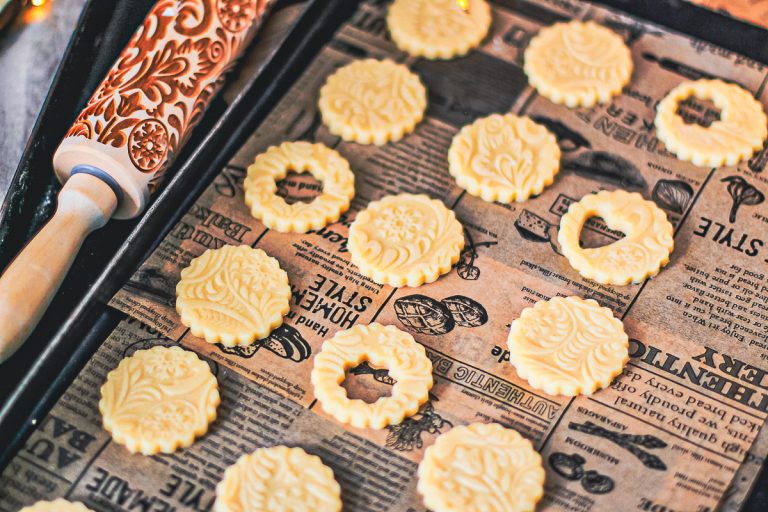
(123, 141)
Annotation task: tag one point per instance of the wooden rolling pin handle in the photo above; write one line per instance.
(85, 203)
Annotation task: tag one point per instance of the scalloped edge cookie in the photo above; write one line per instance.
(537, 362)
(57, 505)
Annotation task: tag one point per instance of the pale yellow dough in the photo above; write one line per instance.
(279, 479)
(383, 347)
(233, 295)
(405, 239)
(568, 346)
(325, 164)
(59, 505)
(578, 64)
(159, 400)
(740, 131)
(438, 29)
(640, 254)
(481, 468)
(372, 101)
(504, 158)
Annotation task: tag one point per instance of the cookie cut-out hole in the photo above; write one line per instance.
(694, 110)
(367, 383)
(596, 233)
(299, 187)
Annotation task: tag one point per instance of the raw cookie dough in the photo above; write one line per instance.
(59, 505)
(578, 64)
(159, 400)
(438, 29)
(644, 249)
(405, 239)
(325, 164)
(568, 346)
(740, 131)
(504, 158)
(279, 479)
(372, 101)
(481, 468)
(234, 295)
(383, 347)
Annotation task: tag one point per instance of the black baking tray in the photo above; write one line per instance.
(78, 319)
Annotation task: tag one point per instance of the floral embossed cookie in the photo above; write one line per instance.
(438, 29)
(481, 468)
(740, 131)
(233, 295)
(372, 101)
(568, 346)
(642, 252)
(325, 164)
(59, 505)
(278, 478)
(504, 158)
(159, 400)
(383, 347)
(405, 239)
(578, 64)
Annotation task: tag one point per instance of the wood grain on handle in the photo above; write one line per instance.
(33, 277)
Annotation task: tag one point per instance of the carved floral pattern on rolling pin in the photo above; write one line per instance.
(162, 82)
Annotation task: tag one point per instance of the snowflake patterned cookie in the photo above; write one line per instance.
(568, 346)
(159, 400)
(372, 101)
(325, 164)
(405, 239)
(504, 158)
(645, 248)
(438, 29)
(578, 64)
(233, 295)
(740, 131)
(59, 505)
(383, 347)
(481, 468)
(279, 479)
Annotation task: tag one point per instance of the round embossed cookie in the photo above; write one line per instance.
(325, 164)
(233, 295)
(568, 346)
(159, 400)
(578, 64)
(740, 131)
(383, 347)
(59, 505)
(645, 248)
(481, 468)
(278, 479)
(438, 29)
(504, 158)
(372, 101)
(405, 239)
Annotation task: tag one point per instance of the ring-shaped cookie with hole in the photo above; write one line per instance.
(405, 240)
(159, 400)
(740, 131)
(325, 165)
(481, 467)
(504, 158)
(568, 346)
(278, 478)
(438, 29)
(644, 249)
(383, 347)
(578, 64)
(372, 101)
(234, 295)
